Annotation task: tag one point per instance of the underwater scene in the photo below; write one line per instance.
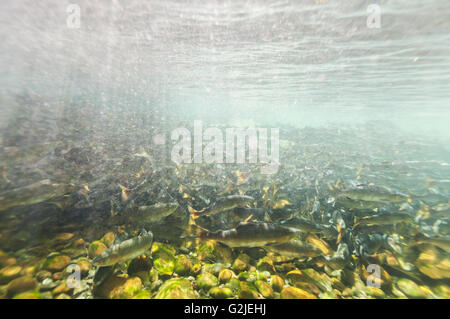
(225, 149)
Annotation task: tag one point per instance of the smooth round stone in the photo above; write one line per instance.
(182, 265)
(96, 248)
(296, 293)
(56, 263)
(19, 285)
(221, 293)
(241, 263)
(277, 283)
(225, 275)
(247, 290)
(8, 273)
(206, 281)
(176, 288)
(264, 288)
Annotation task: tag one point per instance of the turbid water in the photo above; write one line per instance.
(121, 176)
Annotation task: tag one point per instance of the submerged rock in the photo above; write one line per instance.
(264, 288)
(296, 293)
(225, 275)
(277, 283)
(96, 248)
(410, 288)
(30, 295)
(433, 264)
(241, 263)
(265, 264)
(221, 293)
(182, 265)
(213, 250)
(213, 268)
(138, 264)
(108, 239)
(116, 287)
(247, 290)
(56, 263)
(206, 281)
(19, 285)
(176, 288)
(8, 273)
(163, 258)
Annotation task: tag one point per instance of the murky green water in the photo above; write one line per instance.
(109, 129)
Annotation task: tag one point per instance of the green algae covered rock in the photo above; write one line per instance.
(213, 250)
(265, 264)
(225, 275)
(163, 258)
(56, 263)
(243, 276)
(108, 239)
(241, 263)
(264, 288)
(277, 283)
(206, 281)
(221, 293)
(183, 265)
(96, 248)
(247, 290)
(29, 295)
(213, 268)
(375, 292)
(410, 288)
(118, 287)
(296, 293)
(20, 285)
(8, 273)
(176, 288)
(143, 294)
(233, 284)
(433, 264)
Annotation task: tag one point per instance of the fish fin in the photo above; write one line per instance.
(340, 233)
(194, 213)
(248, 219)
(196, 231)
(356, 222)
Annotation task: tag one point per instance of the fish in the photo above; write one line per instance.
(224, 204)
(250, 234)
(302, 224)
(367, 229)
(356, 204)
(295, 249)
(371, 193)
(372, 243)
(441, 227)
(153, 213)
(38, 192)
(340, 259)
(384, 219)
(125, 250)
